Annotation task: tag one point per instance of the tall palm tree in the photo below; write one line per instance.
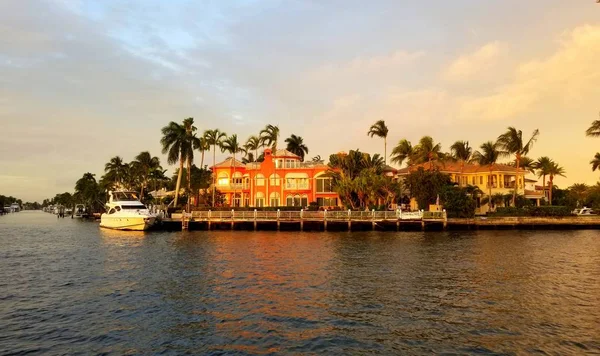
(144, 164)
(214, 138)
(380, 130)
(404, 151)
(488, 155)
(526, 164)
(295, 144)
(203, 146)
(555, 170)
(253, 144)
(512, 143)
(178, 143)
(594, 129)
(116, 170)
(579, 191)
(596, 161)
(232, 145)
(269, 136)
(543, 165)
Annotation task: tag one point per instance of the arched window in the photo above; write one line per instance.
(223, 178)
(260, 180)
(274, 199)
(274, 180)
(237, 179)
(289, 201)
(304, 200)
(259, 200)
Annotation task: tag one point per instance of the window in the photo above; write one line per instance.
(237, 179)
(292, 163)
(111, 211)
(289, 201)
(481, 180)
(133, 207)
(274, 180)
(223, 179)
(327, 202)
(473, 180)
(304, 200)
(324, 185)
(274, 199)
(260, 180)
(118, 208)
(237, 200)
(259, 200)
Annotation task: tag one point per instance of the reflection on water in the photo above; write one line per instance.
(67, 286)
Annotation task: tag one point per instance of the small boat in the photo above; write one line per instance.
(79, 211)
(584, 211)
(15, 207)
(124, 211)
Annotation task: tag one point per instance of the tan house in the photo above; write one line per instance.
(501, 178)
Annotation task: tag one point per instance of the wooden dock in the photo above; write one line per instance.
(306, 220)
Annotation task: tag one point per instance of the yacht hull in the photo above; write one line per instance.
(127, 223)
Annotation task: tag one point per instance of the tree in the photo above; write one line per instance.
(427, 150)
(543, 165)
(143, 165)
(596, 161)
(203, 146)
(295, 144)
(488, 155)
(269, 136)
(179, 142)
(380, 130)
(555, 170)
(232, 145)
(425, 186)
(594, 129)
(253, 144)
(116, 171)
(86, 189)
(317, 159)
(404, 151)
(579, 192)
(512, 143)
(461, 151)
(214, 138)
(526, 164)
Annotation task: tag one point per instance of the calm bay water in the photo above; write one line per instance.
(68, 287)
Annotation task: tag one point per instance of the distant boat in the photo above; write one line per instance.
(124, 211)
(15, 208)
(79, 211)
(584, 211)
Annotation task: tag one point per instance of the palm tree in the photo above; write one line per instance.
(555, 170)
(203, 146)
(178, 143)
(253, 144)
(380, 130)
(116, 170)
(511, 142)
(543, 165)
(295, 144)
(214, 138)
(579, 191)
(317, 159)
(427, 150)
(144, 164)
(404, 151)
(526, 164)
(594, 129)
(461, 151)
(596, 161)
(269, 136)
(232, 145)
(488, 155)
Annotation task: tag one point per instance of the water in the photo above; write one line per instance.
(68, 287)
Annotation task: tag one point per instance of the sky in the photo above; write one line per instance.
(83, 81)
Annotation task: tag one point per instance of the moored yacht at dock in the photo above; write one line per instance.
(124, 211)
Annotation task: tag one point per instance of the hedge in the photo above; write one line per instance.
(540, 211)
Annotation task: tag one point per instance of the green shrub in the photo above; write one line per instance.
(538, 211)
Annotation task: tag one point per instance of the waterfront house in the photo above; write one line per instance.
(280, 180)
(501, 178)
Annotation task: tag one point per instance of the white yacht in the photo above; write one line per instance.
(584, 211)
(124, 211)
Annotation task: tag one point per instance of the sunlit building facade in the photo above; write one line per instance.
(280, 180)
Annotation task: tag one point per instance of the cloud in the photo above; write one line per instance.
(568, 77)
(468, 67)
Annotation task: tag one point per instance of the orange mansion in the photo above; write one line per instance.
(280, 180)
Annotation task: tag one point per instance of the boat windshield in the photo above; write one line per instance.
(133, 207)
(125, 196)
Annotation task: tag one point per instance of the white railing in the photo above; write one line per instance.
(344, 215)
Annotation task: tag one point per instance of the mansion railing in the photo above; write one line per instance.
(336, 215)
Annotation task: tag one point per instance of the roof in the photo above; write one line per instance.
(459, 167)
(285, 153)
(530, 180)
(388, 168)
(228, 162)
